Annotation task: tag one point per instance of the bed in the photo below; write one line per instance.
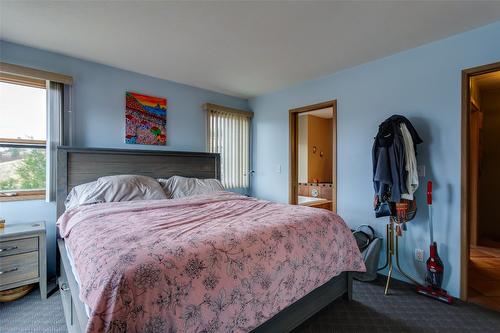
(204, 305)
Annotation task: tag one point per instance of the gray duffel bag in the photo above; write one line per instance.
(369, 245)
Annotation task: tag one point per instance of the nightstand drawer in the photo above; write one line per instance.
(19, 267)
(18, 246)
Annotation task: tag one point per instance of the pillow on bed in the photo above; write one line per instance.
(178, 187)
(81, 195)
(128, 188)
(116, 188)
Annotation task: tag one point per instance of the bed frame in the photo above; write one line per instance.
(76, 166)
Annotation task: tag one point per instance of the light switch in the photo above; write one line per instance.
(421, 170)
(278, 168)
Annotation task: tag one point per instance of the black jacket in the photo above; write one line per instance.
(388, 157)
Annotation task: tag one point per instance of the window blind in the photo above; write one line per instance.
(229, 135)
(55, 135)
(11, 69)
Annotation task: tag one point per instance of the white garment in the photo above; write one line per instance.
(411, 164)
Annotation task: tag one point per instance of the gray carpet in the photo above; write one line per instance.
(370, 311)
(32, 314)
(402, 311)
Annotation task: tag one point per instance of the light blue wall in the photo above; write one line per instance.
(99, 101)
(424, 84)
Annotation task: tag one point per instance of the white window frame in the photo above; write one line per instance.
(20, 194)
(17, 74)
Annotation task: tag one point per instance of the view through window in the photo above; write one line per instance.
(22, 136)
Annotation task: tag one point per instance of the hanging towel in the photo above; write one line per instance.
(410, 164)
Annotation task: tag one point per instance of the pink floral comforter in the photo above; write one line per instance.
(208, 263)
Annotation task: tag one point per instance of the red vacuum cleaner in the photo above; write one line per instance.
(435, 268)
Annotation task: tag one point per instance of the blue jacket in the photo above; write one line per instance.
(388, 157)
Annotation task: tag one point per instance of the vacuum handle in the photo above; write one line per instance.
(429, 192)
(429, 204)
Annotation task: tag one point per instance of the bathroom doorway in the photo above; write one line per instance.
(480, 181)
(313, 156)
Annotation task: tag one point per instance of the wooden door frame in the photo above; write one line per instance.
(466, 198)
(294, 176)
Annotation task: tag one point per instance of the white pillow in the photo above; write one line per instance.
(115, 188)
(178, 187)
(81, 195)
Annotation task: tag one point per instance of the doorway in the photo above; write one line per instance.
(313, 155)
(480, 180)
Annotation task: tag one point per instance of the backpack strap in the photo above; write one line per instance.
(370, 236)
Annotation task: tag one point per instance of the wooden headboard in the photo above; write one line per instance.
(76, 166)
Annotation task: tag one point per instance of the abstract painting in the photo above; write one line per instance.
(145, 119)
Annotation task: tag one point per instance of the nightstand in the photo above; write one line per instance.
(23, 256)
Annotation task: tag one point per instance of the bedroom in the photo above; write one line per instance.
(397, 58)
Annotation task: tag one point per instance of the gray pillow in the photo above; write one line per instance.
(128, 188)
(81, 195)
(179, 187)
(116, 188)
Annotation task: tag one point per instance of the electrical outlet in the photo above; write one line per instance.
(419, 255)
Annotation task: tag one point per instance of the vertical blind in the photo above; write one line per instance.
(228, 134)
(55, 134)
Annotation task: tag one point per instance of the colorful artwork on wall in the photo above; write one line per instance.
(145, 119)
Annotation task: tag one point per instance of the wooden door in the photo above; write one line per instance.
(476, 122)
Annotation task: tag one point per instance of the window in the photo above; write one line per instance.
(23, 103)
(229, 135)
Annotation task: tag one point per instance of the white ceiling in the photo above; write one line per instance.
(240, 48)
